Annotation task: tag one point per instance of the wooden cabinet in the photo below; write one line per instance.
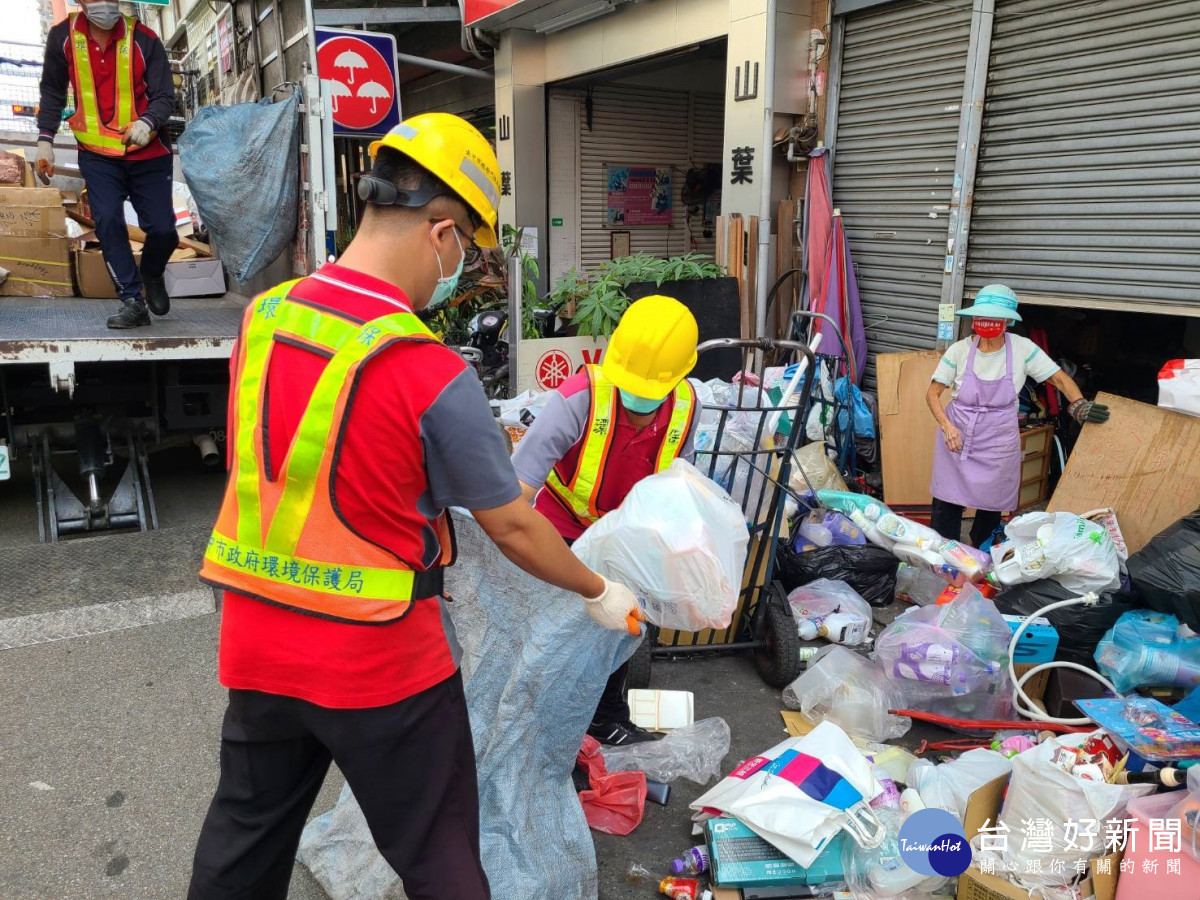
(1037, 443)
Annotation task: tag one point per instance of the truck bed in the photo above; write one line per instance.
(39, 330)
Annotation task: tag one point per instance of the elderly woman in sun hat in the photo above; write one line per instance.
(977, 457)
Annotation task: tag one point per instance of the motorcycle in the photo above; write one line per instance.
(487, 345)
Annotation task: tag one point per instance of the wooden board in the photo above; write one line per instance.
(750, 259)
(785, 260)
(907, 430)
(1144, 462)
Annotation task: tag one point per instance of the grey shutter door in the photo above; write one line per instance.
(902, 73)
(643, 126)
(1088, 185)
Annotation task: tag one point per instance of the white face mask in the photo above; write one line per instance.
(103, 13)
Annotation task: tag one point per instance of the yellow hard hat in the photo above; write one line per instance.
(653, 348)
(453, 149)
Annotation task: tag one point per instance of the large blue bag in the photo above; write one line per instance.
(243, 165)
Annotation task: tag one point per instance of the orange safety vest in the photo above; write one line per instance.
(581, 493)
(90, 131)
(280, 540)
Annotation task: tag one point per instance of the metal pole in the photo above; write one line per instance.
(764, 209)
(427, 63)
(516, 318)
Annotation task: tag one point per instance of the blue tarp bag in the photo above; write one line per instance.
(242, 164)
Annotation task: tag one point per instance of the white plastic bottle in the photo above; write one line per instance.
(844, 628)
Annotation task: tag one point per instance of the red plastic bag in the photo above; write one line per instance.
(616, 802)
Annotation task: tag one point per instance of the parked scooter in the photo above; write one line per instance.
(487, 345)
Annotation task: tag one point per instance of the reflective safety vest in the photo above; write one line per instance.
(581, 493)
(92, 133)
(279, 538)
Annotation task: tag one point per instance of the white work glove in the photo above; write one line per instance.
(137, 134)
(616, 608)
(45, 161)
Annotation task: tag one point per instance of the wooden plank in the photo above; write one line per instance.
(136, 234)
(721, 253)
(907, 430)
(785, 260)
(1142, 462)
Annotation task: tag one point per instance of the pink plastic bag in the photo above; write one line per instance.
(616, 802)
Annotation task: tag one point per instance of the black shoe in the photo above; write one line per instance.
(619, 734)
(132, 314)
(157, 297)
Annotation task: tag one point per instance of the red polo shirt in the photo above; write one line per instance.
(419, 437)
(104, 71)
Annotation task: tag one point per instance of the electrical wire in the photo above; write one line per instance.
(1022, 702)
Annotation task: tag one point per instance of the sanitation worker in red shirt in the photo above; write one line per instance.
(605, 429)
(352, 430)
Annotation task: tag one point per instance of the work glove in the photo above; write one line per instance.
(137, 134)
(1088, 411)
(45, 161)
(616, 608)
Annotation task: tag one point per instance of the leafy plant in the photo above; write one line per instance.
(600, 298)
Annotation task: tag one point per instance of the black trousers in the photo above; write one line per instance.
(146, 184)
(947, 521)
(612, 707)
(411, 766)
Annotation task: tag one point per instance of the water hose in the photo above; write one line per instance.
(1022, 702)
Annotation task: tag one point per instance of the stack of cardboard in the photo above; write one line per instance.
(34, 248)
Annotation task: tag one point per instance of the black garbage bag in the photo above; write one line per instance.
(869, 570)
(1079, 627)
(1166, 572)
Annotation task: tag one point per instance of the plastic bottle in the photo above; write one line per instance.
(957, 556)
(808, 628)
(816, 533)
(918, 585)
(692, 862)
(844, 628)
(1158, 665)
(889, 797)
(680, 888)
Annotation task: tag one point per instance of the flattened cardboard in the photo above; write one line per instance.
(907, 429)
(91, 274)
(31, 212)
(37, 267)
(1141, 462)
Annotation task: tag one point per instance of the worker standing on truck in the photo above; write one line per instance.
(124, 95)
(604, 430)
(352, 430)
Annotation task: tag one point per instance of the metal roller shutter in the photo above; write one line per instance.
(642, 126)
(901, 89)
(1088, 186)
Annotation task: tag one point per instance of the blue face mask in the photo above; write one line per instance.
(639, 406)
(447, 283)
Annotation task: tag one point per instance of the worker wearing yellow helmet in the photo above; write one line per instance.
(352, 430)
(602, 431)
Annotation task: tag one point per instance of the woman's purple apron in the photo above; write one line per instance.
(986, 473)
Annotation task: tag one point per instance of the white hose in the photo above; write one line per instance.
(1023, 702)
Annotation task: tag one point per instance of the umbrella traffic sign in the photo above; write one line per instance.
(358, 74)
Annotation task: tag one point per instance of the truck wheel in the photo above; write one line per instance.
(639, 664)
(778, 659)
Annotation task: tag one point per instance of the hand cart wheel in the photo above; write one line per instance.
(778, 655)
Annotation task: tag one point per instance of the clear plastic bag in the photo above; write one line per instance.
(1077, 553)
(1143, 648)
(694, 753)
(679, 543)
(842, 687)
(919, 586)
(949, 785)
(1187, 811)
(878, 873)
(824, 597)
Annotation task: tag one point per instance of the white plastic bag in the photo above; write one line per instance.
(533, 401)
(949, 786)
(679, 543)
(1179, 386)
(1075, 552)
(1046, 797)
(801, 793)
(842, 687)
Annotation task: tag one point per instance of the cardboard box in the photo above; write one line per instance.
(1035, 687)
(195, 278)
(31, 212)
(29, 180)
(1039, 642)
(91, 274)
(983, 807)
(37, 266)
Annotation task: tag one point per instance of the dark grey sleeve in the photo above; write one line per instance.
(688, 453)
(557, 428)
(466, 462)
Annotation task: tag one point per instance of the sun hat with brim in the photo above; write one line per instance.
(994, 301)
